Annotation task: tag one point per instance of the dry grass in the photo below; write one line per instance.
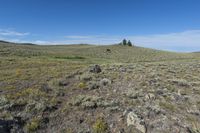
(31, 76)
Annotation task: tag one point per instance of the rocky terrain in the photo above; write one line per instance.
(101, 94)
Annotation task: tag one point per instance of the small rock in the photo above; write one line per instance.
(133, 119)
(114, 90)
(149, 96)
(63, 83)
(122, 69)
(95, 69)
(111, 125)
(81, 120)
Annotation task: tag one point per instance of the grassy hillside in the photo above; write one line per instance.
(50, 89)
(121, 54)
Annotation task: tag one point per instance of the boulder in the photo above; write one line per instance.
(95, 69)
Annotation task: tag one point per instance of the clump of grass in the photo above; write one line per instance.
(82, 85)
(31, 92)
(100, 126)
(80, 99)
(180, 82)
(53, 101)
(33, 125)
(18, 72)
(167, 106)
(67, 130)
(105, 82)
(93, 85)
(69, 57)
(85, 77)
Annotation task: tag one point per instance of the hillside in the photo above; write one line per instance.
(131, 89)
(121, 54)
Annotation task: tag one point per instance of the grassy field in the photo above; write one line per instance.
(50, 89)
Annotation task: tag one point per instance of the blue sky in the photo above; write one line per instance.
(161, 24)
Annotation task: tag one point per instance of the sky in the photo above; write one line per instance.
(172, 25)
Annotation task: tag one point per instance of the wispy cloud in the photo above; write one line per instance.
(95, 39)
(180, 41)
(79, 37)
(8, 32)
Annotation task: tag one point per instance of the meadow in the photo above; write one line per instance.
(45, 88)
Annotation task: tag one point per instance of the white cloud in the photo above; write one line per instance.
(7, 32)
(96, 39)
(79, 37)
(174, 41)
(180, 41)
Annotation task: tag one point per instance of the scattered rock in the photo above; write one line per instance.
(137, 122)
(122, 69)
(95, 69)
(149, 96)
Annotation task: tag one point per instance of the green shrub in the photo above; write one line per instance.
(82, 85)
(33, 125)
(100, 126)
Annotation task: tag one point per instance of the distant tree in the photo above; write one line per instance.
(124, 42)
(129, 43)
